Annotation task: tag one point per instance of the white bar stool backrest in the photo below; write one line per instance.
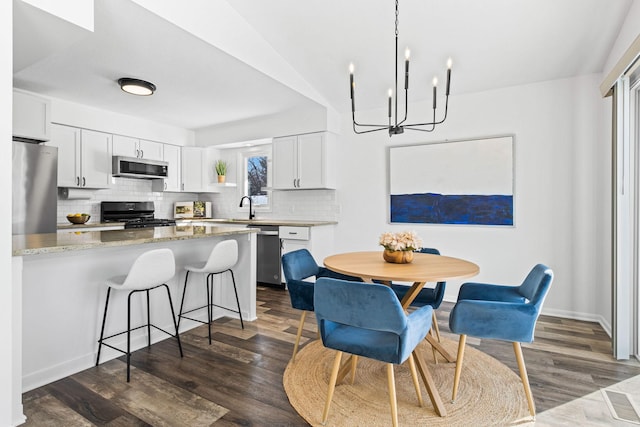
(151, 269)
(223, 256)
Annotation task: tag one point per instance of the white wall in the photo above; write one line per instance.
(84, 116)
(298, 121)
(10, 362)
(562, 175)
(627, 35)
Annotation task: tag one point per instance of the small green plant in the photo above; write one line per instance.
(221, 167)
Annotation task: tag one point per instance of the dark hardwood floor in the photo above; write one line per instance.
(237, 380)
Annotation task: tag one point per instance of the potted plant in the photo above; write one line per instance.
(221, 170)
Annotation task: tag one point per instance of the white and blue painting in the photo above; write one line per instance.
(463, 182)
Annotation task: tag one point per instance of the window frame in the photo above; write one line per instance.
(242, 178)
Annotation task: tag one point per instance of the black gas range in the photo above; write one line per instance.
(133, 214)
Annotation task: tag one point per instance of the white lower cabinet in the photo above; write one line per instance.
(318, 240)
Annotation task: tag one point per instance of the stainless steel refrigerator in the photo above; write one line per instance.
(35, 182)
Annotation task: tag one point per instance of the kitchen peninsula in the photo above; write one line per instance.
(58, 280)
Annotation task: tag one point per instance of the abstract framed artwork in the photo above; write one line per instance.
(460, 182)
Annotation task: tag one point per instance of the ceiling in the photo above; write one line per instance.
(493, 43)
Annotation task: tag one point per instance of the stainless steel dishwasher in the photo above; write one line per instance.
(268, 270)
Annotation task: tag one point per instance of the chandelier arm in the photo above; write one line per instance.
(421, 130)
(370, 125)
(434, 122)
(367, 131)
(406, 106)
(355, 123)
(433, 125)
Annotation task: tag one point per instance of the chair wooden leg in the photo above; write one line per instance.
(433, 348)
(295, 346)
(392, 395)
(456, 378)
(525, 378)
(434, 323)
(332, 385)
(414, 377)
(354, 365)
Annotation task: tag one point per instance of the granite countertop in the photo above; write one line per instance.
(69, 226)
(261, 221)
(34, 244)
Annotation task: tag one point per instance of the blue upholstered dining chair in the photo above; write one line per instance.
(507, 313)
(427, 296)
(299, 266)
(366, 319)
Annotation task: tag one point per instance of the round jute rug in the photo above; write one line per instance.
(489, 392)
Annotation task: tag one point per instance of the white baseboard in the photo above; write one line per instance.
(587, 317)
(54, 373)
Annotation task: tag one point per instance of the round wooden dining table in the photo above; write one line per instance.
(423, 269)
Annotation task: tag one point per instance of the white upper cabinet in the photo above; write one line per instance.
(139, 148)
(172, 156)
(192, 169)
(83, 157)
(304, 162)
(151, 150)
(31, 117)
(285, 162)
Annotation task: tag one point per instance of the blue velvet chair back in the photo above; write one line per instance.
(363, 305)
(536, 285)
(501, 312)
(299, 265)
(367, 319)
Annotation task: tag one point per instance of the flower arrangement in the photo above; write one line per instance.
(402, 241)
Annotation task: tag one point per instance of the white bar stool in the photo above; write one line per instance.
(149, 271)
(223, 256)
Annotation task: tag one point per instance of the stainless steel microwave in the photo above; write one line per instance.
(132, 167)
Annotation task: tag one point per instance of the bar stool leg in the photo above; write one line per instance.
(104, 319)
(129, 336)
(184, 292)
(148, 321)
(237, 300)
(209, 285)
(173, 316)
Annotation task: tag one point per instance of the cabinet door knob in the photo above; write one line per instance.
(165, 185)
(84, 182)
(141, 154)
(77, 181)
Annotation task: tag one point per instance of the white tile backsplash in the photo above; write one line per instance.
(317, 205)
(123, 189)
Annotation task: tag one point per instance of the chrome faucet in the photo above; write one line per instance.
(251, 214)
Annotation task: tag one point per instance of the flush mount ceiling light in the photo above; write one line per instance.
(394, 127)
(136, 86)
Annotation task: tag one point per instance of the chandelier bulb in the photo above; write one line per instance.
(449, 63)
(435, 81)
(352, 68)
(407, 53)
